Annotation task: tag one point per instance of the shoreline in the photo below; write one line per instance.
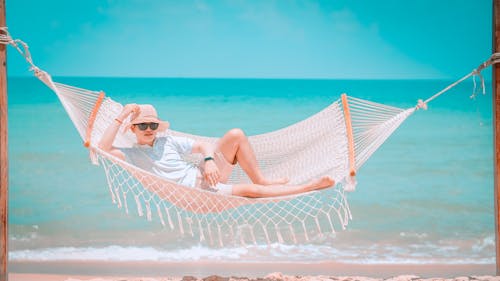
(202, 269)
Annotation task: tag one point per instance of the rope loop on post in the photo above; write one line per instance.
(21, 47)
(494, 59)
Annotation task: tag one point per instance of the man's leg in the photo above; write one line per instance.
(235, 147)
(256, 190)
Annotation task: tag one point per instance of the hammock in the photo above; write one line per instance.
(336, 141)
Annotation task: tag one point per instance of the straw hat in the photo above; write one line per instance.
(147, 114)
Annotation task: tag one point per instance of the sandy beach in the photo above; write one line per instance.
(276, 276)
(23, 271)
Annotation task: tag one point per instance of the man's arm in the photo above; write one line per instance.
(107, 139)
(210, 171)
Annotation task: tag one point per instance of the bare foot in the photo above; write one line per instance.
(322, 182)
(281, 181)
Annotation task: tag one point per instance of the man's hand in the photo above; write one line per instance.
(128, 109)
(211, 173)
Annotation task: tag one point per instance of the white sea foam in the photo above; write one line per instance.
(271, 253)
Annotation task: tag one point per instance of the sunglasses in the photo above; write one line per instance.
(144, 126)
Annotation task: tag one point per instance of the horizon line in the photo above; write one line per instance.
(242, 78)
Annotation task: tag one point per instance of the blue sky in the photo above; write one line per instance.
(338, 39)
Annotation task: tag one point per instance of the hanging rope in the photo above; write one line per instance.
(23, 49)
(20, 46)
(495, 58)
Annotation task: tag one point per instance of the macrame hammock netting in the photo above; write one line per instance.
(336, 141)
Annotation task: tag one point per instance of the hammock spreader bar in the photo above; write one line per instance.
(350, 138)
(92, 117)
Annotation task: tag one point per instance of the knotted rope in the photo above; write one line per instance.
(20, 46)
(494, 58)
(23, 49)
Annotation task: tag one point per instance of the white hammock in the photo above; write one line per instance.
(336, 141)
(328, 143)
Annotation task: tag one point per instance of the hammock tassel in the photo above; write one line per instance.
(346, 216)
(331, 223)
(125, 202)
(210, 235)
(341, 219)
(113, 197)
(231, 230)
(118, 197)
(253, 236)
(179, 219)
(202, 235)
(267, 236)
(139, 206)
(278, 234)
(318, 226)
(149, 216)
(221, 244)
(349, 183)
(242, 241)
(293, 233)
(170, 223)
(240, 234)
(112, 189)
(305, 231)
(93, 157)
(346, 206)
(189, 221)
(160, 215)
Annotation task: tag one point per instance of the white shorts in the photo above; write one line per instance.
(221, 188)
(225, 170)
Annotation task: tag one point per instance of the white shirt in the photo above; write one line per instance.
(165, 159)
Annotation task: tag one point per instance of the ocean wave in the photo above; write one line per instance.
(259, 253)
(119, 253)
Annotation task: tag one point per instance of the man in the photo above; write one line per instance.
(164, 156)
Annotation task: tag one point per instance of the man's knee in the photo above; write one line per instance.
(236, 134)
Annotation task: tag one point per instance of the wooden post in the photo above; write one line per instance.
(496, 127)
(4, 171)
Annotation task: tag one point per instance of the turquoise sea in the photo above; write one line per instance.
(425, 197)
